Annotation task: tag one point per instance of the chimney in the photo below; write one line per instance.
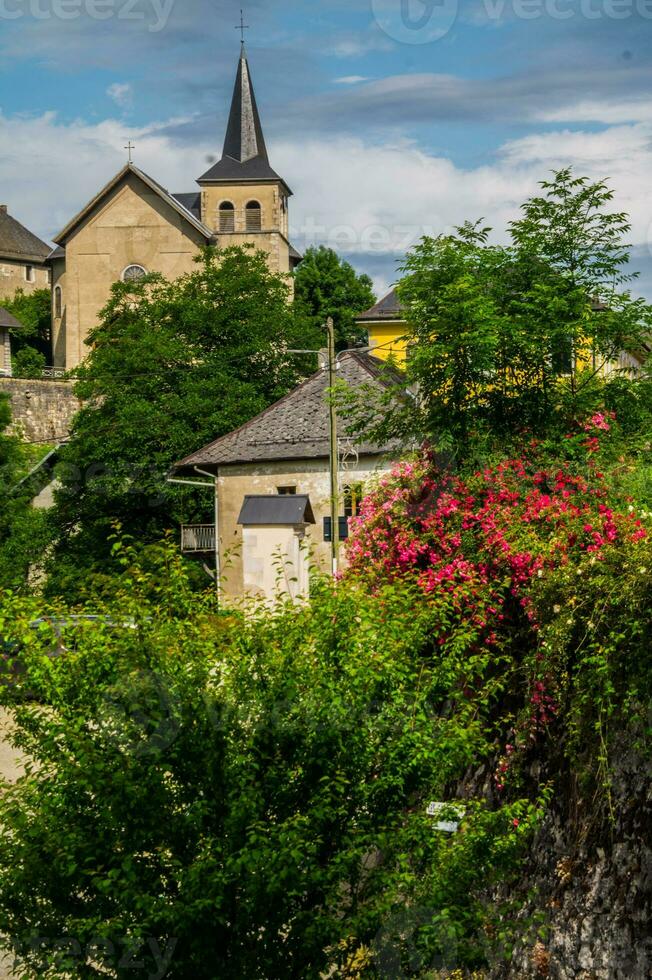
(3, 208)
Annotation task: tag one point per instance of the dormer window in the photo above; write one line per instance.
(227, 217)
(254, 216)
(133, 273)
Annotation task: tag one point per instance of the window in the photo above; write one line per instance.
(227, 216)
(254, 216)
(133, 273)
(58, 302)
(286, 491)
(352, 499)
(29, 273)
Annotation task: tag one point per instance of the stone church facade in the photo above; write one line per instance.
(134, 226)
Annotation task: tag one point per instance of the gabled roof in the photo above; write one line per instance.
(297, 426)
(126, 171)
(18, 242)
(244, 157)
(8, 321)
(259, 511)
(388, 308)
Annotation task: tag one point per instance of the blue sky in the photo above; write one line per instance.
(389, 118)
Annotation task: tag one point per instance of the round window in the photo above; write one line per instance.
(133, 272)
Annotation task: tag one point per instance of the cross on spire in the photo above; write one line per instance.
(242, 27)
(129, 148)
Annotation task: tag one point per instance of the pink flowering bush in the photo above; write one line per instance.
(524, 550)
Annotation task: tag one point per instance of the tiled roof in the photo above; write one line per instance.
(17, 242)
(388, 308)
(191, 202)
(297, 426)
(9, 322)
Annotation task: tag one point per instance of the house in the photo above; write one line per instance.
(8, 323)
(23, 258)
(386, 327)
(284, 452)
(134, 226)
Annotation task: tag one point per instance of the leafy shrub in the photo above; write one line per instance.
(28, 363)
(248, 797)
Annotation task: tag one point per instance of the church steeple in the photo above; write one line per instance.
(244, 156)
(244, 133)
(243, 201)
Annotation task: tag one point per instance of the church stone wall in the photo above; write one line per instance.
(133, 226)
(41, 411)
(272, 239)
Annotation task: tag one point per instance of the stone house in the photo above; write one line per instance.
(23, 258)
(285, 452)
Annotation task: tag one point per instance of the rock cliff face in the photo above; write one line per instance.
(593, 881)
(41, 411)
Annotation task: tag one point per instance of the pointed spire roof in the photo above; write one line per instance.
(244, 156)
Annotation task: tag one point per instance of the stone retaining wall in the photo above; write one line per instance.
(42, 411)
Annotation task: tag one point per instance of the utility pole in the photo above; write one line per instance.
(334, 463)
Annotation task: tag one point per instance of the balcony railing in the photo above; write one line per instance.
(53, 373)
(197, 539)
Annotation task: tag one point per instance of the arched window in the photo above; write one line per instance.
(58, 302)
(254, 216)
(133, 273)
(227, 216)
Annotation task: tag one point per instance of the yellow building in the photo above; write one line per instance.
(134, 226)
(386, 328)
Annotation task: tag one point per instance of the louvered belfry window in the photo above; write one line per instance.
(227, 217)
(254, 216)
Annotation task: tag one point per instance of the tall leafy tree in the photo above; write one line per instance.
(327, 286)
(517, 337)
(171, 367)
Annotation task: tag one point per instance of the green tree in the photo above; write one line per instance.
(504, 339)
(171, 367)
(28, 363)
(325, 285)
(247, 799)
(34, 312)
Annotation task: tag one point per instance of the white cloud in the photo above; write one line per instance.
(359, 197)
(601, 111)
(121, 93)
(350, 79)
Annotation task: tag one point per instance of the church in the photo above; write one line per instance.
(134, 226)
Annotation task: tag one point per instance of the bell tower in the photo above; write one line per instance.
(242, 199)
